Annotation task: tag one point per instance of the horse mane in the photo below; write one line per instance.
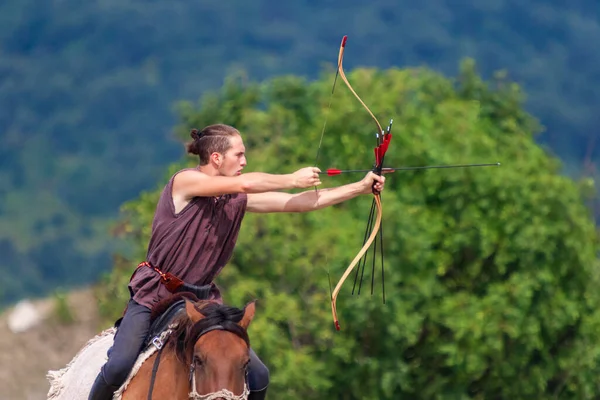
(162, 306)
(186, 333)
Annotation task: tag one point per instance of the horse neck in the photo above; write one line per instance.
(171, 382)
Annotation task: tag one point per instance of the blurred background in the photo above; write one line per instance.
(490, 273)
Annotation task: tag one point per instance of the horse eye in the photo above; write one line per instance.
(198, 361)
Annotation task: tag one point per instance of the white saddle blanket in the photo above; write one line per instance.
(75, 380)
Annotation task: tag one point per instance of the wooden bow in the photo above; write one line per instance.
(383, 143)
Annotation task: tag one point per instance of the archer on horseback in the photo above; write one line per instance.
(194, 231)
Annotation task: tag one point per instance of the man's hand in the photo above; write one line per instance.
(306, 177)
(368, 180)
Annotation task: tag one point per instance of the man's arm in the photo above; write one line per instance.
(189, 184)
(310, 200)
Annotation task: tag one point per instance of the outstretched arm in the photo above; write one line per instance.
(193, 183)
(310, 200)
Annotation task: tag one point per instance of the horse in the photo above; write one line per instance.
(197, 349)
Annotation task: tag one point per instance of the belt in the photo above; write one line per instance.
(176, 285)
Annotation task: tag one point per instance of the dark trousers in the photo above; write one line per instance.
(128, 342)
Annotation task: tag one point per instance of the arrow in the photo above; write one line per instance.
(333, 171)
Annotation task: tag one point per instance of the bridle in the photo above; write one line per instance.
(193, 394)
(221, 394)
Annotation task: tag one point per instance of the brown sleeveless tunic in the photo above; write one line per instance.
(193, 245)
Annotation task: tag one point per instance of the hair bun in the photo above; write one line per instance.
(195, 134)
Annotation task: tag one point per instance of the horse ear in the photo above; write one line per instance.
(248, 314)
(192, 312)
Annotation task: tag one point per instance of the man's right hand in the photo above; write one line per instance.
(306, 177)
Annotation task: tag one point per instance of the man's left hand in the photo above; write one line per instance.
(369, 179)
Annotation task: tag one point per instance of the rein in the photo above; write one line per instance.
(221, 394)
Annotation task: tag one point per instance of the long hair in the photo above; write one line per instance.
(211, 139)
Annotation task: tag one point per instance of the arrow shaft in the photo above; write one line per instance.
(333, 171)
(442, 166)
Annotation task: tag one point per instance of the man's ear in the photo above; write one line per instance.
(248, 314)
(216, 158)
(193, 312)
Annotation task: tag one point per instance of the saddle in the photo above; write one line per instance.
(161, 323)
(165, 311)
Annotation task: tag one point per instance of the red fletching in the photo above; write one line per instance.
(384, 147)
(344, 41)
(333, 171)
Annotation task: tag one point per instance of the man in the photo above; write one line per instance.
(194, 232)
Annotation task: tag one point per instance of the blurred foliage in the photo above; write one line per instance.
(86, 94)
(491, 273)
(62, 310)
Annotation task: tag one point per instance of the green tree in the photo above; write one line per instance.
(491, 273)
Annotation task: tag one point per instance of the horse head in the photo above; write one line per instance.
(216, 347)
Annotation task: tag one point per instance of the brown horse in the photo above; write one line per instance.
(205, 357)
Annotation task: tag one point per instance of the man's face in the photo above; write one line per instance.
(234, 159)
